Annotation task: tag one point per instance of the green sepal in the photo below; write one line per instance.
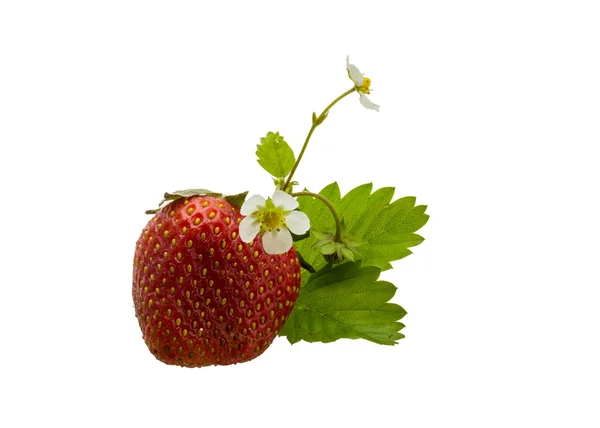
(188, 193)
(321, 119)
(337, 251)
(236, 200)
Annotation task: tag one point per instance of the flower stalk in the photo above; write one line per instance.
(315, 122)
(362, 86)
(336, 216)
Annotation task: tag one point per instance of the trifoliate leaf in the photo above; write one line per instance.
(275, 155)
(346, 301)
(385, 229)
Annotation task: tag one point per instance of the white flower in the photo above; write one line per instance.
(273, 218)
(361, 83)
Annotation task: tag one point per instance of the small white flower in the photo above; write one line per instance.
(273, 218)
(361, 83)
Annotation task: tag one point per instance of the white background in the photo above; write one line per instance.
(489, 115)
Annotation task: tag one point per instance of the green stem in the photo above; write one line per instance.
(315, 123)
(338, 223)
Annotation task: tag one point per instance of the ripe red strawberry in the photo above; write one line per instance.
(204, 297)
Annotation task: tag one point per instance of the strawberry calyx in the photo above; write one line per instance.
(235, 200)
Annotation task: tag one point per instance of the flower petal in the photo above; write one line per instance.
(277, 241)
(297, 222)
(354, 73)
(249, 227)
(284, 201)
(367, 103)
(252, 204)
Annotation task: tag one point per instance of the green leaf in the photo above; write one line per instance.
(275, 155)
(386, 229)
(346, 301)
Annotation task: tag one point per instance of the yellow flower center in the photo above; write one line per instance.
(365, 86)
(272, 220)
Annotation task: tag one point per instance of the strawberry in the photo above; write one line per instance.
(204, 297)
